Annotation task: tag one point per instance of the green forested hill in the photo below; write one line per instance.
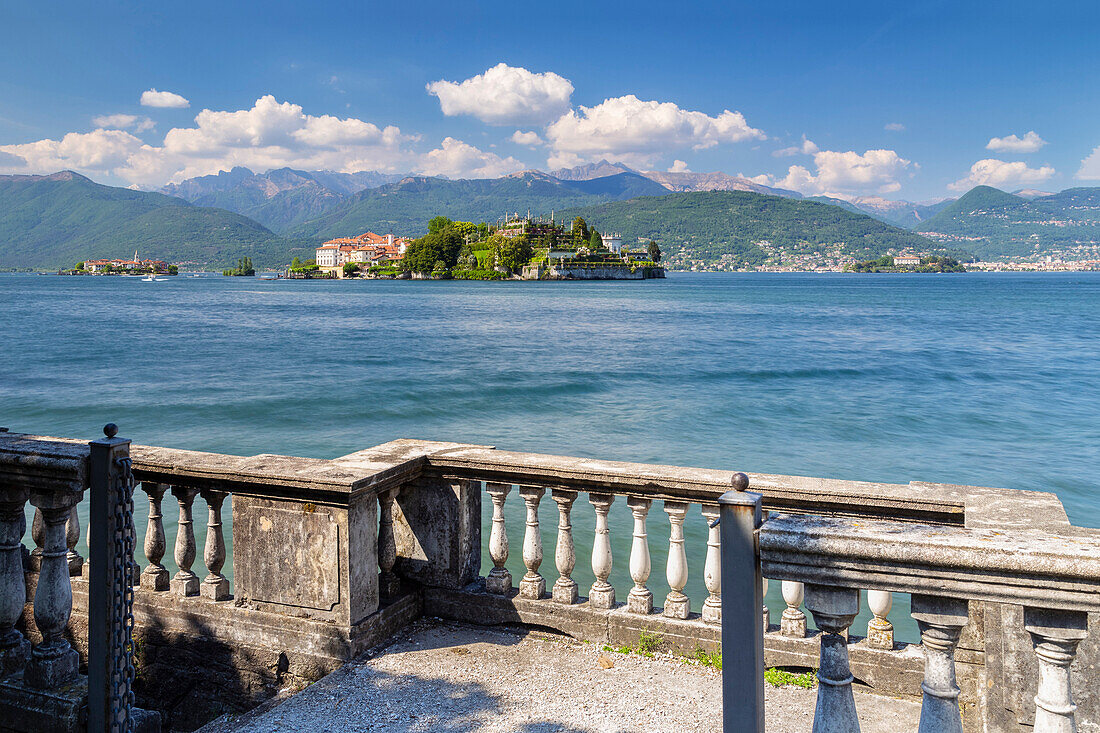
(997, 224)
(715, 223)
(404, 208)
(55, 221)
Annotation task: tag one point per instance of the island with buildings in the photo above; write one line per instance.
(135, 266)
(515, 248)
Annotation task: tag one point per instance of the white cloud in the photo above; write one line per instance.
(1029, 143)
(99, 150)
(270, 134)
(1001, 174)
(530, 139)
(1090, 166)
(124, 122)
(456, 159)
(894, 127)
(636, 132)
(679, 166)
(846, 174)
(153, 98)
(806, 148)
(505, 95)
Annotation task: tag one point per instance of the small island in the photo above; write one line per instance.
(513, 249)
(907, 263)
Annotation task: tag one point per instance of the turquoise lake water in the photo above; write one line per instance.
(989, 379)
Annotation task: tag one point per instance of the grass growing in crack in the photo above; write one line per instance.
(648, 643)
(782, 678)
(708, 659)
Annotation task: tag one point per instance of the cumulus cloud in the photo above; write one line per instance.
(530, 139)
(894, 127)
(455, 159)
(153, 98)
(271, 134)
(845, 174)
(1090, 166)
(99, 150)
(806, 148)
(679, 166)
(1029, 143)
(505, 95)
(636, 132)
(1001, 174)
(124, 122)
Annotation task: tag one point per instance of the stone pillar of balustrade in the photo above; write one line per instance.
(155, 575)
(388, 581)
(565, 555)
(53, 662)
(214, 586)
(880, 632)
(765, 611)
(712, 568)
(72, 536)
(532, 585)
(437, 529)
(499, 580)
(640, 598)
(793, 621)
(14, 647)
(185, 582)
(941, 621)
(834, 610)
(677, 605)
(38, 537)
(601, 595)
(1055, 636)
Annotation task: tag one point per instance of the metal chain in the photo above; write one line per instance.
(122, 595)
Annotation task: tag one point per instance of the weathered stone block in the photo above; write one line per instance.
(156, 580)
(499, 581)
(638, 601)
(712, 612)
(565, 593)
(15, 650)
(677, 607)
(602, 598)
(533, 588)
(216, 589)
(437, 531)
(52, 668)
(185, 586)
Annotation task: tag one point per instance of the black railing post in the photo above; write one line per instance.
(110, 675)
(742, 621)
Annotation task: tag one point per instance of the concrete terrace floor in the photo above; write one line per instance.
(439, 676)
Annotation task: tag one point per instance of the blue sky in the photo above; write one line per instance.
(911, 101)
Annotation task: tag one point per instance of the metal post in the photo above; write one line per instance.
(742, 622)
(108, 680)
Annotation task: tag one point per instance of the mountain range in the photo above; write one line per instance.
(55, 220)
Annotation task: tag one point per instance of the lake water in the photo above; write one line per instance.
(989, 379)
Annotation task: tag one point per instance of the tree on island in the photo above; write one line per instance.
(595, 242)
(580, 232)
(654, 251)
(512, 254)
(244, 268)
(79, 265)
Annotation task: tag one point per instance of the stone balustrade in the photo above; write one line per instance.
(330, 557)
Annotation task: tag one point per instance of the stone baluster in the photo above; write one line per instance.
(640, 598)
(38, 536)
(532, 585)
(214, 586)
(712, 568)
(185, 582)
(1055, 636)
(14, 647)
(940, 620)
(677, 605)
(793, 621)
(155, 575)
(499, 580)
(72, 536)
(565, 555)
(765, 611)
(602, 594)
(834, 610)
(53, 662)
(388, 582)
(880, 632)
